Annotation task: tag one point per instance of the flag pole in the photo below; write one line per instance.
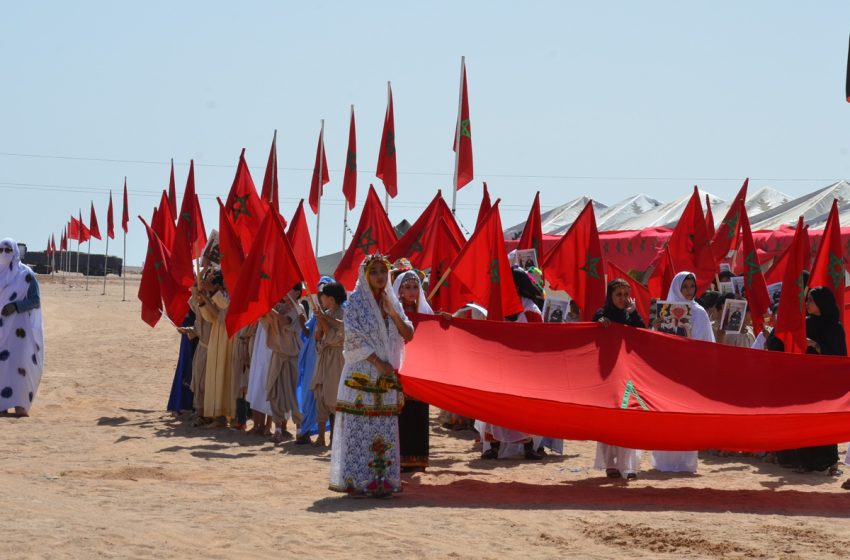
(319, 184)
(105, 264)
(124, 268)
(457, 134)
(344, 222)
(79, 235)
(88, 263)
(386, 192)
(274, 169)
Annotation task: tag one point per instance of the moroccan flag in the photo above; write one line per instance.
(85, 233)
(449, 296)
(662, 275)
(791, 318)
(349, 180)
(110, 220)
(755, 287)
(482, 268)
(63, 241)
(386, 170)
(245, 208)
(375, 234)
(576, 266)
(125, 216)
(270, 185)
(162, 222)
(417, 244)
(320, 167)
(298, 235)
(187, 243)
(484, 208)
(639, 292)
(175, 298)
(532, 233)
(269, 272)
(709, 218)
(776, 272)
(690, 246)
(229, 247)
(172, 192)
(828, 268)
(74, 229)
(727, 236)
(149, 289)
(93, 227)
(463, 135)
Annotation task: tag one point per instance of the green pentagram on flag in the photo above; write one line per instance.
(416, 244)
(732, 224)
(753, 267)
(464, 129)
(628, 393)
(351, 160)
(801, 295)
(186, 216)
(263, 274)
(441, 269)
(590, 266)
(240, 206)
(836, 270)
(157, 265)
(390, 145)
(365, 241)
(494, 271)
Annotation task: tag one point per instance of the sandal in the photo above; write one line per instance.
(612, 473)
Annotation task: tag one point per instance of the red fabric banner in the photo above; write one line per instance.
(386, 170)
(317, 183)
(302, 246)
(755, 287)
(230, 248)
(791, 315)
(270, 184)
(110, 220)
(349, 179)
(727, 236)
(532, 233)
(162, 222)
(690, 246)
(417, 243)
(125, 216)
(190, 237)
(172, 192)
(625, 386)
(244, 205)
(446, 248)
(709, 218)
(93, 227)
(485, 207)
(463, 136)
(828, 268)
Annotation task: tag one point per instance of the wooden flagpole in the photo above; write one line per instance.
(457, 134)
(440, 282)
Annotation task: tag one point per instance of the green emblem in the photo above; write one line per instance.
(628, 393)
(416, 244)
(753, 267)
(836, 271)
(494, 271)
(240, 206)
(464, 129)
(186, 216)
(390, 145)
(365, 241)
(801, 292)
(351, 160)
(590, 266)
(263, 275)
(732, 224)
(441, 269)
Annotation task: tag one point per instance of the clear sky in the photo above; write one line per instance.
(606, 99)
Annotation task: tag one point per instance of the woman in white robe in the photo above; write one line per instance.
(21, 333)
(683, 290)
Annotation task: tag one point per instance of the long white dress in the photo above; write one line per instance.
(684, 461)
(259, 372)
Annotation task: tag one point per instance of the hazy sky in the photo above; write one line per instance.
(569, 98)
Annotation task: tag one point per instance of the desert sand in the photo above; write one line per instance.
(100, 469)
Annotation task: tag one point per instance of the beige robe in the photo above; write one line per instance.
(202, 329)
(243, 344)
(218, 393)
(282, 381)
(328, 370)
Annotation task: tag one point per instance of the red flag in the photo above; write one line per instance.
(375, 234)
(576, 266)
(709, 218)
(690, 246)
(302, 246)
(727, 236)
(74, 229)
(755, 287)
(162, 222)
(175, 297)
(463, 135)
(482, 268)
(449, 297)
(791, 316)
(270, 271)
(532, 233)
(93, 227)
(149, 289)
(270, 186)
(230, 248)
(110, 221)
(187, 244)
(85, 233)
(245, 208)
(349, 180)
(776, 272)
(172, 192)
(417, 244)
(828, 268)
(47, 248)
(321, 166)
(662, 275)
(125, 216)
(386, 170)
(63, 241)
(639, 292)
(484, 208)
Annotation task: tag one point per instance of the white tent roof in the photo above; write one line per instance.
(814, 208)
(762, 201)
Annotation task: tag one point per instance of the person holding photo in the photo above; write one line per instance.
(619, 308)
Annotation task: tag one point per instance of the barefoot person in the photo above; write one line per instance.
(330, 335)
(365, 452)
(21, 335)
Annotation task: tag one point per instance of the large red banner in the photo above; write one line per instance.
(625, 386)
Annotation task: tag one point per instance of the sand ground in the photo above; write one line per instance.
(101, 470)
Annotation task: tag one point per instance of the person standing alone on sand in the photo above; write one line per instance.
(21, 334)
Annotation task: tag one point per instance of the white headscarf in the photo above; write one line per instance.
(700, 323)
(366, 331)
(421, 301)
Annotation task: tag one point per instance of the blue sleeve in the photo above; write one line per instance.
(33, 299)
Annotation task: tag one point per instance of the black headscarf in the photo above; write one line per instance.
(525, 287)
(614, 313)
(826, 328)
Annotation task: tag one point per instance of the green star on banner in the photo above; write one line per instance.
(240, 207)
(836, 271)
(591, 266)
(494, 271)
(629, 393)
(365, 241)
(464, 128)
